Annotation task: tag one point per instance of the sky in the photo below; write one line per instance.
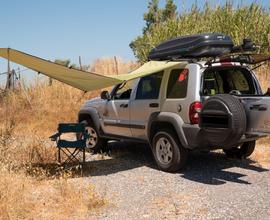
(65, 29)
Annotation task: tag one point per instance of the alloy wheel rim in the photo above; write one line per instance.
(164, 151)
(92, 140)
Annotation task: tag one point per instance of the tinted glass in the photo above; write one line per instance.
(177, 85)
(149, 86)
(224, 80)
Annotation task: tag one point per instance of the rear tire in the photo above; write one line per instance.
(95, 143)
(241, 152)
(169, 154)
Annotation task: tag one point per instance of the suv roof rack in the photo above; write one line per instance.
(240, 58)
(179, 59)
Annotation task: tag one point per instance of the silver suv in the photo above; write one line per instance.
(204, 106)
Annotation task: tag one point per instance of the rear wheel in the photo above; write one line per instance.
(94, 142)
(242, 151)
(169, 154)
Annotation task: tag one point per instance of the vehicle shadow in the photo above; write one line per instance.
(212, 168)
(120, 156)
(215, 168)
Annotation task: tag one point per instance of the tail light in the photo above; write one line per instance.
(194, 110)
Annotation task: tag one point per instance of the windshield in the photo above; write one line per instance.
(224, 80)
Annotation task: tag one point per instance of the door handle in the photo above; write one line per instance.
(153, 105)
(124, 105)
(258, 107)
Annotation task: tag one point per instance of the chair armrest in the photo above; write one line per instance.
(55, 136)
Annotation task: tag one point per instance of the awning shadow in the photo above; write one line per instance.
(122, 156)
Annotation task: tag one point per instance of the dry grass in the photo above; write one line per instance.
(30, 117)
(262, 155)
(263, 74)
(262, 152)
(32, 186)
(24, 197)
(112, 66)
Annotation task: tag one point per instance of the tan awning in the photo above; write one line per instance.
(86, 81)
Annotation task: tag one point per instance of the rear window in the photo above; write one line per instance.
(177, 85)
(224, 80)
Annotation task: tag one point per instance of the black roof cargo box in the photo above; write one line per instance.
(193, 46)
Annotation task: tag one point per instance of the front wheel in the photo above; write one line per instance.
(169, 154)
(94, 143)
(243, 151)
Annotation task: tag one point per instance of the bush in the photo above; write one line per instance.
(252, 21)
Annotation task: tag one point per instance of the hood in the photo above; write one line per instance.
(93, 103)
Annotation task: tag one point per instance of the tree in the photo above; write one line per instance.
(153, 15)
(249, 21)
(170, 10)
(68, 64)
(65, 63)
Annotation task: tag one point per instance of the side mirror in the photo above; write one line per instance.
(105, 95)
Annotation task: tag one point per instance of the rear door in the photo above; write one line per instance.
(176, 92)
(146, 101)
(241, 82)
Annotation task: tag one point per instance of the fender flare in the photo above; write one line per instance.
(174, 119)
(93, 113)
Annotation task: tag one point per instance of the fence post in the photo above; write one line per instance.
(116, 65)
(50, 81)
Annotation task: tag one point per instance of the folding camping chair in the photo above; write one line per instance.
(70, 149)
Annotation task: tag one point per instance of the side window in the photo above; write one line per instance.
(149, 86)
(177, 85)
(124, 90)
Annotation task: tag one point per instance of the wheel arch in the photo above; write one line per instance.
(166, 120)
(91, 114)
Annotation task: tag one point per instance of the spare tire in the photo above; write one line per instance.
(223, 120)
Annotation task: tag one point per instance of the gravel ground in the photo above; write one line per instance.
(211, 187)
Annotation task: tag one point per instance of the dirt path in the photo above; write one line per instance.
(212, 187)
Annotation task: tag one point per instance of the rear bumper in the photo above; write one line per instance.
(193, 136)
(196, 140)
